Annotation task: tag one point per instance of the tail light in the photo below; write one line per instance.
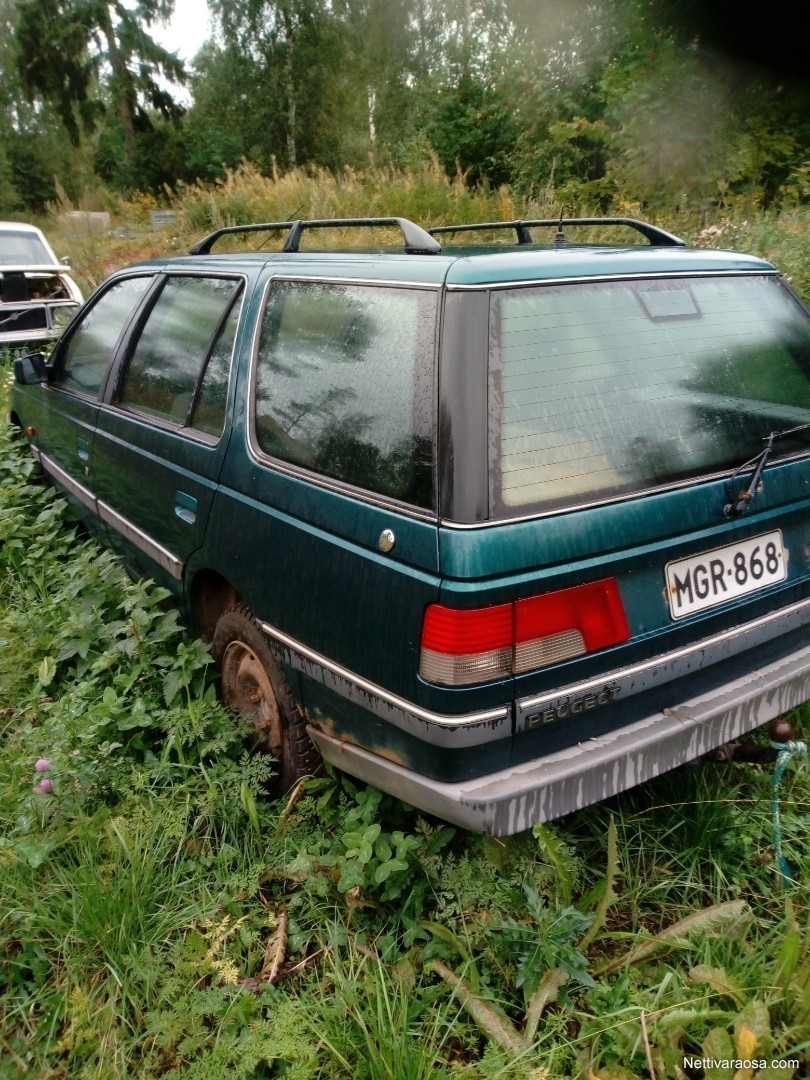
(461, 647)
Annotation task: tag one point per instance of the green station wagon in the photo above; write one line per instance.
(501, 527)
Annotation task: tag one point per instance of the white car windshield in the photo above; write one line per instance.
(18, 248)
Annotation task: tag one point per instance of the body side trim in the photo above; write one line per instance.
(628, 496)
(638, 677)
(635, 275)
(322, 279)
(373, 697)
(77, 490)
(622, 682)
(141, 540)
(515, 798)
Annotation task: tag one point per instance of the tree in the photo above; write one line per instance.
(34, 147)
(87, 57)
(379, 72)
(9, 89)
(282, 38)
(310, 81)
(465, 110)
(693, 127)
(232, 116)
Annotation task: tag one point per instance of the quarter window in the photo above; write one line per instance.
(344, 384)
(178, 369)
(91, 347)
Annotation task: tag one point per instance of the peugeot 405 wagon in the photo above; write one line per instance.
(503, 528)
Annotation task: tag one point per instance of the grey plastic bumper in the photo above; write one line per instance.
(514, 799)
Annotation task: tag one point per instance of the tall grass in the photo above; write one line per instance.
(424, 193)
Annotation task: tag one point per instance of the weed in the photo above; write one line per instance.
(378, 1023)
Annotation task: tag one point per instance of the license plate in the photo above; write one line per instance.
(714, 577)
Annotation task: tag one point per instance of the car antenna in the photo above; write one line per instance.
(275, 232)
(559, 239)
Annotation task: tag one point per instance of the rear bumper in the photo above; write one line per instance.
(513, 799)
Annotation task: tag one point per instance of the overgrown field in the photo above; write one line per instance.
(424, 194)
(161, 918)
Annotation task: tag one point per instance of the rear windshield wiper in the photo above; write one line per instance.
(743, 501)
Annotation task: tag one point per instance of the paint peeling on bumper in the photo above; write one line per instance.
(513, 799)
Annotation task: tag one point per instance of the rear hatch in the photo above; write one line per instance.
(638, 545)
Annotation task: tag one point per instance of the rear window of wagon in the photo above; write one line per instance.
(602, 389)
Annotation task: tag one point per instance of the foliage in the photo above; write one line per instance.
(378, 1023)
(596, 100)
(472, 129)
(96, 59)
(546, 943)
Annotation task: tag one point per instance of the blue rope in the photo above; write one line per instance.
(786, 752)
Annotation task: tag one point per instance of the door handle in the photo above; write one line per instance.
(185, 507)
(83, 448)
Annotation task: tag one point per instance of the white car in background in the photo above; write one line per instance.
(38, 297)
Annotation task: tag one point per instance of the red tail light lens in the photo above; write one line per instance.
(461, 647)
(567, 623)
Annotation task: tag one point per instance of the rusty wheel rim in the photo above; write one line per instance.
(247, 688)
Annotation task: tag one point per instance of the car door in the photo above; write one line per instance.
(65, 408)
(160, 433)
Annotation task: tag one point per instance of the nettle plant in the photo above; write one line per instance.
(104, 688)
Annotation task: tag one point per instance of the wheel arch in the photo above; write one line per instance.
(209, 596)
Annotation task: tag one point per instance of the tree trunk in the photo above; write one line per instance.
(289, 85)
(123, 93)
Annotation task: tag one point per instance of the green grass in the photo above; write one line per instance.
(146, 899)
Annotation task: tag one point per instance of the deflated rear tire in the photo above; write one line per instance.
(252, 683)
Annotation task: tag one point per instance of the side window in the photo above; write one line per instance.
(344, 384)
(87, 355)
(180, 363)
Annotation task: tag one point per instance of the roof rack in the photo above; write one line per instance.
(657, 237)
(417, 241)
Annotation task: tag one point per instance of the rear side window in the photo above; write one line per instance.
(88, 353)
(599, 389)
(344, 384)
(178, 368)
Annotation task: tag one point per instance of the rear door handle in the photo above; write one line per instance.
(185, 507)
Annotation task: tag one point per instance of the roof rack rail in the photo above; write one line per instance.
(657, 237)
(417, 240)
(203, 247)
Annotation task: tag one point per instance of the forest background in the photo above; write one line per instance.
(660, 106)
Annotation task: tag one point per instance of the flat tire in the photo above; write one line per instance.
(253, 684)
